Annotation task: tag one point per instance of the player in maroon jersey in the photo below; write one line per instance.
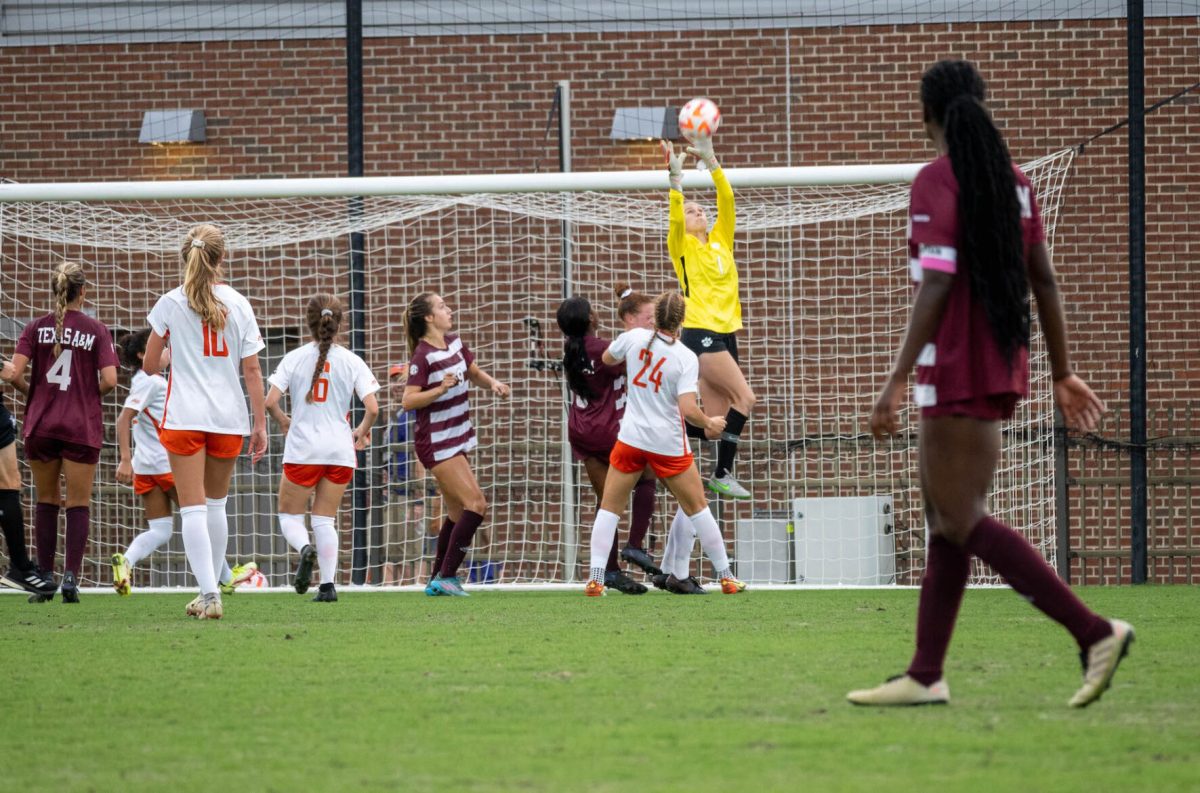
(976, 246)
(72, 364)
(597, 402)
(438, 376)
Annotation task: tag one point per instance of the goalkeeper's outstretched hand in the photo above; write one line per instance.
(703, 149)
(674, 164)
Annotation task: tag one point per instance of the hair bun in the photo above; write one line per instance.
(327, 312)
(198, 243)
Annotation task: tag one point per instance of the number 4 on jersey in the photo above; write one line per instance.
(655, 375)
(60, 373)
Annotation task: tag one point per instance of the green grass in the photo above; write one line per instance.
(557, 692)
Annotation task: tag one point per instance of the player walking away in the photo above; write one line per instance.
(593, 420)
(213, 334)
(703, 262)
(662, 375)
(438, 376)
(22, 573)
(149, 470)
(320, 453)
(71, 365)
(976, 245)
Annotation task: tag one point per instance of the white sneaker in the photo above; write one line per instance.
(195, 607)
(902, 690)
(1101, 664)
(211, 608)
(729, 487)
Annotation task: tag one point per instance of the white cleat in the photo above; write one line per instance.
(728, 487)
(211, 608)
(1101, 663)
(195, 607)
(902, 690)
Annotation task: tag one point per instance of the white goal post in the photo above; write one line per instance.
(825, 293)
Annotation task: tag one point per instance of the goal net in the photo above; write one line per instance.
(825, 294)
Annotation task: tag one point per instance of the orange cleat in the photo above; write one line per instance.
(594, 589)
(732, 586)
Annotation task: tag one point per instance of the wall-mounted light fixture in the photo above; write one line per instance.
(172, 126)
(645, 123)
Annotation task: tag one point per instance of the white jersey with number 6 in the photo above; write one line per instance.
(655, 378)
(204, 391)
(147, 396)
(320, 433)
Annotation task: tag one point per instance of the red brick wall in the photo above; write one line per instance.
(450, 105)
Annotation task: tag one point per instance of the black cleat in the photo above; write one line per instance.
(621, 582)
(326, 594)
(29, 579)
(688, 586)
(308, 557)
(70, 590)
(659, 580)
(639, 558)
(41, 598)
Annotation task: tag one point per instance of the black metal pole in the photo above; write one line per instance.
(1135, 35)
(354, 151)
(1062, 499)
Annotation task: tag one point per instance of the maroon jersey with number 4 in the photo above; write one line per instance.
(592, 424)
(963, 362)
(64, 391)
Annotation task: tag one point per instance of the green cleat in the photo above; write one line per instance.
(728, 487)
(122, 575)
(241, 574)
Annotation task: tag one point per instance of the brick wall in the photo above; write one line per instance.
(452, 105)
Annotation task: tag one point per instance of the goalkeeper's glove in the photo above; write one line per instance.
(703, 149)
(674, 165)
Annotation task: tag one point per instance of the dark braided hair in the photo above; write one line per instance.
(575, 320)
(990, 243)
(324, 315)
(131, 345)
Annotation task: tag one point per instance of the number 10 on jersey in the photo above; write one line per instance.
(654, 365)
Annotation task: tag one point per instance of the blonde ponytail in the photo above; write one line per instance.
(203, 250)
(66, 284)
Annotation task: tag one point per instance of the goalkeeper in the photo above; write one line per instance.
(704, 264)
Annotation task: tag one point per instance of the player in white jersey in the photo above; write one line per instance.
(213, 334)
(148, 469)
(661, 373)
(320, 453)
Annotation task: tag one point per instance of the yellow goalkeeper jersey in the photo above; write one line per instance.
(706, 271)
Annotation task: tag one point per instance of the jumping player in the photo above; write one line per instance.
(662, 375)
(319, 455)
(149, 470)
(215, 342)
(976, 245)
(441, 367)
(704, 264)
(72, 365)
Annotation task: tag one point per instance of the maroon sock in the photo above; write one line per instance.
(460, 542)
(45, 532)
(643, 511)
(443, 544)
(1011, 555)
(78, 521)
(613, 566)
(946, 569)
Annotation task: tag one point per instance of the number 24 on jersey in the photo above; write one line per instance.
(649, 361)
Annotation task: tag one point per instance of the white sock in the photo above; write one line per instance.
(327, 547)
(226, 575)
(678, 554)
(711, 541)
(292, 528)
(604, 532)
(149, 541)
(218, 531)
(198, 547)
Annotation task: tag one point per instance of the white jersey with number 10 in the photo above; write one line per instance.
(204, 391)
(655, 378)
(320, 433)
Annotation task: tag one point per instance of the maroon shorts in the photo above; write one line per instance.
(993, 407)
(47, 450)
(582, 450)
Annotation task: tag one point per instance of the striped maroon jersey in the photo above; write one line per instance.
(443, 428)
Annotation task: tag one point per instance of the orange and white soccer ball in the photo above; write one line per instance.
(699, 118)
(256, 581)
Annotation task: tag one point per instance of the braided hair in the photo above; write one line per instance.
(324, 315)
(66, 284)
(990, 243)
(575, 320)
(669, 310)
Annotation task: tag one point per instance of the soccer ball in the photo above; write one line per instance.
(256, 581)
(699, 118)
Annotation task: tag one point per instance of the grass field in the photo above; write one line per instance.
(553, 691)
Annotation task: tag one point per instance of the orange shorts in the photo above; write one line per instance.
(144, 483)
(309, 475)
(187, 442)
(630, 460)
